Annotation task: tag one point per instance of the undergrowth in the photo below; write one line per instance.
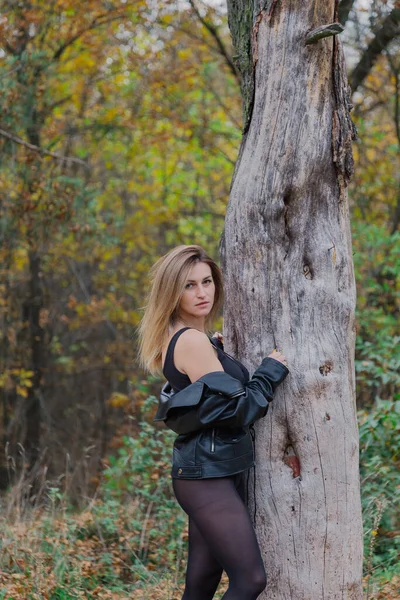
(130, 542)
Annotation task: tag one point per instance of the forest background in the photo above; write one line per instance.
(120, 124)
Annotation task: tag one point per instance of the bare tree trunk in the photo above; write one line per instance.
(287, 259)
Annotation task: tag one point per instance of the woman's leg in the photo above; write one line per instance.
(203, 571)
(221, 517)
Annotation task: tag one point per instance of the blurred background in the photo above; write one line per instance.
(120, 124)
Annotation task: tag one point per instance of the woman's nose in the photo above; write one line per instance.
(201, 291)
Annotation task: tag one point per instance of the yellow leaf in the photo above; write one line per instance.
(22, 391)
(117, 400)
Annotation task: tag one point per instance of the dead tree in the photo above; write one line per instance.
(287, 260)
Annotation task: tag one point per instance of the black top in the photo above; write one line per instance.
(179, 380)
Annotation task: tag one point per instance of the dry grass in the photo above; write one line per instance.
(53, 558)
(62, 558)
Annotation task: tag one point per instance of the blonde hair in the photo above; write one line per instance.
(168, 278)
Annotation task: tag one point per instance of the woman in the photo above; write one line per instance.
(211, 402)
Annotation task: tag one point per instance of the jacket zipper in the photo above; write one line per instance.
(213, 440)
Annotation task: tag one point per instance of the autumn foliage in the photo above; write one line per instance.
(120, 123)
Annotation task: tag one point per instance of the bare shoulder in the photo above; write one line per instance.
(192, 339)
(194, 345)
(195, 355)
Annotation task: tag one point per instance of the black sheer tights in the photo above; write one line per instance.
(221, 537)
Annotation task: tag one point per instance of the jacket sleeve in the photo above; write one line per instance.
(232, 405)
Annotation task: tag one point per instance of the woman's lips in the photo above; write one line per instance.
(202, 304)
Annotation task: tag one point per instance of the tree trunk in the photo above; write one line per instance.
(32, 308)
(287, 260)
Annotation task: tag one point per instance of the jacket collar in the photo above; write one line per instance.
(217, 382)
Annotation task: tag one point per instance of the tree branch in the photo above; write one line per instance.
(214, 32)
(389, 30)
(97, 22)
(344, 10)
(18, 140)
(17, 68)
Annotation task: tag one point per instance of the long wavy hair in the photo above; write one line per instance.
(168, 279)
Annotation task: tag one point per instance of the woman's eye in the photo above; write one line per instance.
(188, 286)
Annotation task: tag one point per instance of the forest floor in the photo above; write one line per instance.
(52, 558)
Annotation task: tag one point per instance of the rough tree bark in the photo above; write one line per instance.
(287, 260)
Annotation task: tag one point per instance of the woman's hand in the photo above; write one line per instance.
(219, 336)
(279, 356)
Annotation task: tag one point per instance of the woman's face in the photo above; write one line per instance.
(198, 295)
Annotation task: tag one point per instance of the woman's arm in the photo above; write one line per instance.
(219, 400)
(230, 403)
(242, 407)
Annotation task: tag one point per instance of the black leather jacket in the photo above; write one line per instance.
(212, 417)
